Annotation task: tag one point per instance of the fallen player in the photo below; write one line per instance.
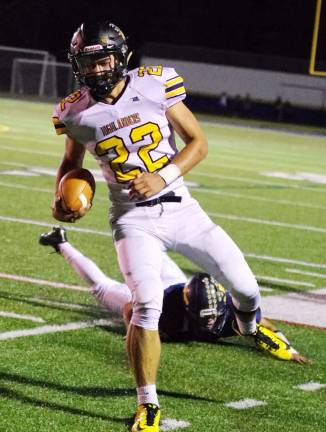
(197, 309)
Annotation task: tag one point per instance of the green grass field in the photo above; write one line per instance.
(79, 380)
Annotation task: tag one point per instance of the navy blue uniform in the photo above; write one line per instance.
(175, 324)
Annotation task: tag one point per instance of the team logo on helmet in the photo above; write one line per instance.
(104, 44)
(205, 300)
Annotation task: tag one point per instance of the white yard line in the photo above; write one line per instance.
(108, 234)
(69, 306)
(285, 281)
(268, 222)
(261, 128)
(257, 198)
(214, 215)
(96, 172)
(45, 224)
(200, 190)
(29, 188)
(29, 151)
(252, 163)
(36, 189)
(285, 260)
(42, 282)
(237, 158)
(54, 329)
(255, 181)
(313, 274)
(21, 316)
(265, 289)
(245, 404)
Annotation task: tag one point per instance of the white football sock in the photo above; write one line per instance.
(112, 294)
(246, 328)
(147, 394)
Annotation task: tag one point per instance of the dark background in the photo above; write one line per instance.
(270, 27)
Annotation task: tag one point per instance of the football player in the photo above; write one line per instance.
(197, 309)
(126, 120)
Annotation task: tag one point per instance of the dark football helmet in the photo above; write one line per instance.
(205, 302)
(99, 55)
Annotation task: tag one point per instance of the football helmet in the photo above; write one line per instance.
(98, 54)
(205, 302)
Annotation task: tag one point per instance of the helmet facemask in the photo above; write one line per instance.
(100, 71)
(205, 302)
(99, 57)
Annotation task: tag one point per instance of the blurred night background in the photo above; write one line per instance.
(266, 35)
(273, 27)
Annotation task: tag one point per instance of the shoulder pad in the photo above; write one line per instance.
(69, 107)
(159, 80)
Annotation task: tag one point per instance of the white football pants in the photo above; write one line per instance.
(143, 233)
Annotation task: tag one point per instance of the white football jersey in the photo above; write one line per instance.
(131, 135)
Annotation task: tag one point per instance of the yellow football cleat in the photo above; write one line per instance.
(147, 418)
(266, 340)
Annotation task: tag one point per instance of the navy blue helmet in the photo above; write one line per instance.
(205, 302)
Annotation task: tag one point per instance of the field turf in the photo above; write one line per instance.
(78, 380)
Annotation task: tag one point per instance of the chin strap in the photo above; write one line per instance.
(106, 94)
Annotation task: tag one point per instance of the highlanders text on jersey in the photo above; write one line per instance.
(131, 135)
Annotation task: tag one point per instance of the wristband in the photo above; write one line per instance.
(170, 173)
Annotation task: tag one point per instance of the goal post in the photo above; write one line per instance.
(34, 72)
(7, 57)
(45, 77)
(317, 62)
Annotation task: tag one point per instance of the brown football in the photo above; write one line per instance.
(77, 189)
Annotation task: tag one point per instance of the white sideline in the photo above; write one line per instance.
(244, 404)
(21, 316)
(54, 329)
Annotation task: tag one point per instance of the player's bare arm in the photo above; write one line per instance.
(187, 127)
(73, 158)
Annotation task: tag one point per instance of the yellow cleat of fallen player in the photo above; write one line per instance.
(266, 340)
(147, 418)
